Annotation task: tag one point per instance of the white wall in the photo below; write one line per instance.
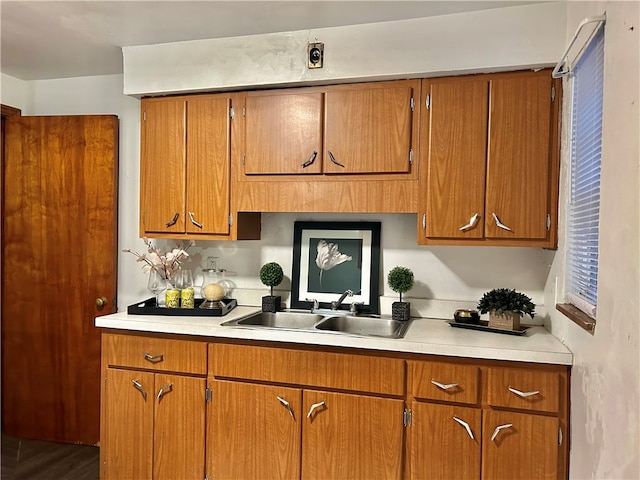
(605, 383)
(16, 93)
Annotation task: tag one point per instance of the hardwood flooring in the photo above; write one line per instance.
(38, 460)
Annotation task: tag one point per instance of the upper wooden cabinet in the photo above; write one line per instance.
(342, 129)
(490, 151)
(185, 168)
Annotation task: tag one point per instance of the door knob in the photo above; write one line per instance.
(101, 302)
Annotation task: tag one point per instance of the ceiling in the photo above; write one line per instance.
(59, 39)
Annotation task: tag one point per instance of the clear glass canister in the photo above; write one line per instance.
(213, 290)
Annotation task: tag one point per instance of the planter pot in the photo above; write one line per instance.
(401, 311)
(505, 320)
(271, 303)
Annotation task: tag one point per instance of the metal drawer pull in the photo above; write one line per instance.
(313, 407)
(140, 388)
(443, 386)
(164, 389)
(524, 394)
(153, 358)
(173, 220)
(333, 159)
(471, 224)
(312, 159)
(193, 220)
(498, 428)
(499, 223)
(287, 406)
(466, 426)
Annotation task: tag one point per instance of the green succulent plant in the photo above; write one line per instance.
(503, 300)
(400, 280)
(271, 275)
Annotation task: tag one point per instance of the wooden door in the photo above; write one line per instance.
(179, 427)
(162, 166)
(252, 433)
(59, 250)
(208, 173)
(283, 133)
(368, 129)
(128, 442)
(519, 446)
(441, 445)
(454, 130)
(351, 436)
(518, 184)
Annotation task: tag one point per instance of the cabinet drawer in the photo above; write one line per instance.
(523, 389)
(151, 353)
(361, 373)
(445, 381)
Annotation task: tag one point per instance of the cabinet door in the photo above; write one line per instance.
(252, 433)
(283, 133)
(208, 165)
(162, 166)
(519, 446)
(127, 442)
(518, 183)
(178, 439)
(445, 441)
(455, 133)
(351, 436)
(368, 129)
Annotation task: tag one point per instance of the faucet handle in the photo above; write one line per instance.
(316, 304)
(353, 309)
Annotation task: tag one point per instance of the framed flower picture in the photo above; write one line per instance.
(332, 257)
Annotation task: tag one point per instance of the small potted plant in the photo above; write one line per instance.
(400, 280)
(506, 307)
(271, 275)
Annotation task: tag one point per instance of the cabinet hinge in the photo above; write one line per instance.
(243, 159)
(231, 112)
(413, 104)
(230, 219)
(560, 436)
(553, 93)
(548, 222)
(427, 102)
(411, 156)
(208, 395)
(406, 418)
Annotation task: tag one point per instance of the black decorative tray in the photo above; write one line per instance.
(149, 307)
(483, 326)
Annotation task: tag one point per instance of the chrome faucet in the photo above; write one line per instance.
(336, 305)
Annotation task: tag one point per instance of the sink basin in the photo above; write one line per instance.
(367, 326)
(290, 320)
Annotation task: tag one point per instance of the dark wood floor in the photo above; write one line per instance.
(37, 460)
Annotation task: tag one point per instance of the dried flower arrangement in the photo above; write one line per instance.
(168, 264)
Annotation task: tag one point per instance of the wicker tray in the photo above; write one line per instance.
(149, 307)
(483, 326)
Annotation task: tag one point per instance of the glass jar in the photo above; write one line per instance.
(213, 289)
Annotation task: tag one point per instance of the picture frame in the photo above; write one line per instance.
(349, 257)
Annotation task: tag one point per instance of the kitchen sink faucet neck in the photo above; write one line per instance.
(336, 305)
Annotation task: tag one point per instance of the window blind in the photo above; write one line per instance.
(584, 202)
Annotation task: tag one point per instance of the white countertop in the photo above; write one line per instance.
(424, 336)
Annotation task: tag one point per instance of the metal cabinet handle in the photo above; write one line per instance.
(193, 220)
(524, 394)
(472, 223)
(443, 386)
(312, 159)
(313, 407)
(140, 388)
(173, 220)
(499, 224)
(163, 390)
(333, 159)
(498, 428)
(153, 358)
(287, 406)
(466, 426)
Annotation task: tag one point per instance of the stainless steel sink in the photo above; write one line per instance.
(367, 326)
(290, 320)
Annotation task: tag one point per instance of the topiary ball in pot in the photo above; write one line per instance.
(271, 275)
(400, 280)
